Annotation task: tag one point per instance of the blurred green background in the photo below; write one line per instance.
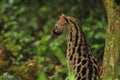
(27, 50)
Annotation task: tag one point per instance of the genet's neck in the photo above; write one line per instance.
(76, 35)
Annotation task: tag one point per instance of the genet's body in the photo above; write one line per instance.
(79, 54)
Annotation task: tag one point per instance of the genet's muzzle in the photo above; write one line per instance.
(55, 32)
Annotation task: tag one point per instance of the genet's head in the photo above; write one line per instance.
(62, 26)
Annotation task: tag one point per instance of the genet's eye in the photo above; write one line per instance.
(56, 30)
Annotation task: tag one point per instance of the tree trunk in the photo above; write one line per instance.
(111, 61)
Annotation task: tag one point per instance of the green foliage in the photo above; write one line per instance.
(110, 78)
(30, 53)
(7, 76)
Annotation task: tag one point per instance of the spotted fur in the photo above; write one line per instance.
(79, 54)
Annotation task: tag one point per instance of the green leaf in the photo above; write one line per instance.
(45, 38)
(42, 76)
(10, 1)
(7, 76)
(43, 9)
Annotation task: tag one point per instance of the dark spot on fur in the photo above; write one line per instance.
(84, 70)
(71, 57)
(84, 62)
(75, 59)
(76, 40)
(79, 60)
(78, 78)
(85, 55)
(96, 71)
(78, 68)
(95, 61)
(79, 50)
(69, 49)
(70, 36)
(74, 67)
(95, 78)
(90, 70)
(83, 79)
(73, 50)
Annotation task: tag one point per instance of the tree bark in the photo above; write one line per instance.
(111, 61)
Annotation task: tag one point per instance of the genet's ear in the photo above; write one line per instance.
(63, 15)
(63, 18)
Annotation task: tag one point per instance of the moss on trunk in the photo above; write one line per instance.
(111, 62)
